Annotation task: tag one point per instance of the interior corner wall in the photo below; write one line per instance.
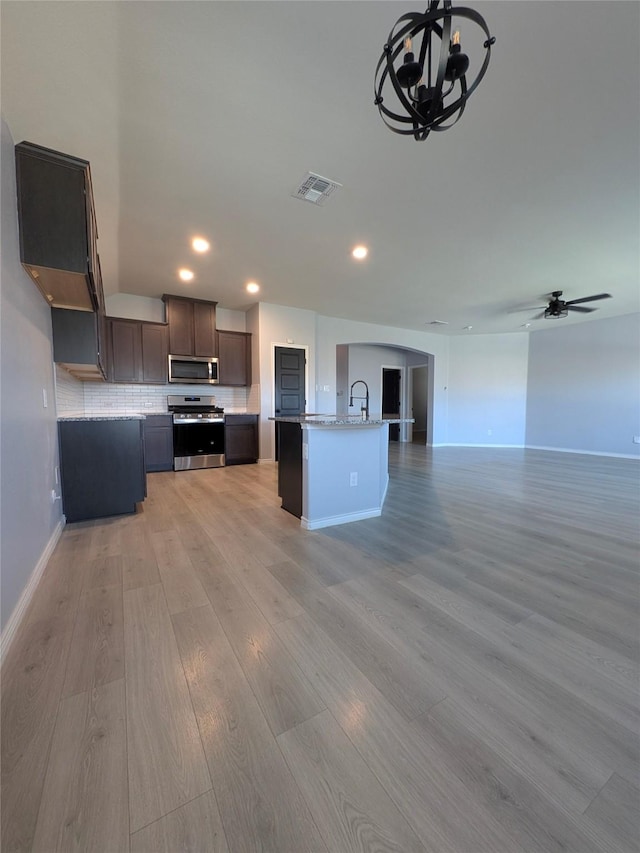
(333, 332)
(583, 389)
(488, 390)
(279, 324)
(28, 436)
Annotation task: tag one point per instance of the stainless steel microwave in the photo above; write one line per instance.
(193, 370)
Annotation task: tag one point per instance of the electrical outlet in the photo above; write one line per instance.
(56, 474)
(353, 478)
(636, 439)
(45, 402)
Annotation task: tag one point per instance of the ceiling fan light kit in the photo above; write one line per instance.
(419, 83)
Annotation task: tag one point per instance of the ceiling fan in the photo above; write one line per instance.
(558, 307)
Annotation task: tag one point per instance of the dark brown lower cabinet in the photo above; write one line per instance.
(240, 439)
(158, 442)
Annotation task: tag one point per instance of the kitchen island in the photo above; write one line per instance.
(333, 469)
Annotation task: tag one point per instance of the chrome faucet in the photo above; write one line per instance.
(364, 408)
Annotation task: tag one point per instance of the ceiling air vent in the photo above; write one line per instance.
(315, 188)
(438, 323)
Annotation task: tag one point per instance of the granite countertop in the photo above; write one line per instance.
(340, 420)
(133, 417)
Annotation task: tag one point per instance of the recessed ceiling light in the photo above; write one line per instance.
(200, 244)
(468, 328)
(252, 287)
(360, 252)
(185, 275)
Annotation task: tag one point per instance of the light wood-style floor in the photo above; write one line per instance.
(457, 676)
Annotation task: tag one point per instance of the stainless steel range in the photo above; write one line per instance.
(198, 432)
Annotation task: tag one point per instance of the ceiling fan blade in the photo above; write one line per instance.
(528, 308)
(589, 298)
(540, 315)
(580, 308)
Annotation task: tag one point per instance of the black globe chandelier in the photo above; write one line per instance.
(432, 89)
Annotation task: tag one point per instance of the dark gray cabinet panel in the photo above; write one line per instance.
(234, 353)
(102, 468)
(158, 442)
(58, 235)
(78, 342)
(290, 467)
(240, 439)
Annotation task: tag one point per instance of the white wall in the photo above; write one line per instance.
(147, 308)
(333, 331)
(280, 325)
(29, 521)
(487, 389)
(366, 362)
(583, 389)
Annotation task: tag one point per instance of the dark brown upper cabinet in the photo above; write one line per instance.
(57, 224)
(192, 326)
(234, 354)
(137, 351)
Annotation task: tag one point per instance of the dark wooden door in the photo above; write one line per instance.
(290, 374)
(180, 320)
(391, 398)
(125, 348)
(234, 352)
(290, 380)
(155, 368)
(204, 329)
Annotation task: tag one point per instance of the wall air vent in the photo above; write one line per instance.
(315, 188)
(438, 323)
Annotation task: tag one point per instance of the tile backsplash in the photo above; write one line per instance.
(92, 398)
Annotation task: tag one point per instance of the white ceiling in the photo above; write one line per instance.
(201, 118)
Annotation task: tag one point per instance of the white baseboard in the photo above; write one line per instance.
(541, 447)
(13, 622)
(332, 520)
(488, 446)
(584, 452)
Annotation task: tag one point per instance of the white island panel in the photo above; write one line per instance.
(331, 455)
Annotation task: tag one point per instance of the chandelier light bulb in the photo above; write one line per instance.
(410, 71)
(455, 39)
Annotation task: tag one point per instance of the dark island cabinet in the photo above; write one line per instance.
(234, 354)
(240, 439)
(102, 467)
(158, 442)
(137, 351)
(192, 326)
(57, 225)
